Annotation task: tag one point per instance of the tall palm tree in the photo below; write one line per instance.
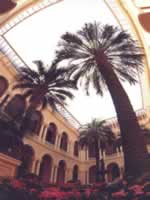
(45, 86)
(102, 55)
(95, 133)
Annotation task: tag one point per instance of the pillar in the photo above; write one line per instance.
(41, 131)
(37, 170)
(33, 167)
(55, 174)
(44, 132)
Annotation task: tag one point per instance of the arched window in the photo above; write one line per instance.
(110, 149)
(33, 121)
(92, 174)
(51, 133)
(75, 173)
(16, 107)
(64, 141)
(27, 157)
(45, 169)
(113, 171)
(3, 85)
(91, 150)
(61, 172)
(6, 5)
(76, 149)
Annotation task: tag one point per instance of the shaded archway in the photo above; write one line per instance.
(75, 173)
(61, 172)
(27, 157)
(92, 174)
(16, 107)
(51, 133)
(76, 149)
(45, 168)
(6, 5)
(3, 85)
(33, 121)
(113, 171)
(64, 141)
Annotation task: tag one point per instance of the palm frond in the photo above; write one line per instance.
(40, 66)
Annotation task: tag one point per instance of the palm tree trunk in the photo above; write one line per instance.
(97, 156)
(135, 151)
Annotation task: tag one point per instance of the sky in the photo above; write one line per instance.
(37, 37)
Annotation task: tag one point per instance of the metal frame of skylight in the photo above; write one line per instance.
(26, 14)
(15, 58)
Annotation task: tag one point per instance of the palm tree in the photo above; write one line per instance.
(102, 56)
(45, 86)
(96, 133)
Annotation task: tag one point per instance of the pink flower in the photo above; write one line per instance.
(137, 189)
(87, 192)
(119, 194)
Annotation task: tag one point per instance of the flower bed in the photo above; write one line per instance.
(32, 189)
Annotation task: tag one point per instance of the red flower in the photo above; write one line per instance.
(49, 194)
(33, 190)
(17, 184)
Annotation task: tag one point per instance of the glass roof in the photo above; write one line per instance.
(37, 37)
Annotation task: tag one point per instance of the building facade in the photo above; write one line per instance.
(53, 152)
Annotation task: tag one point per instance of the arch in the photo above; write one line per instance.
(46, 168)
(64, 141)
(61, 172)
(92, 174)
(75, 173)
(6, 6)
(76, 148)
(3, 85)
(51, 133)
(113, 171)
(16, 107)
(33, 121)
(27, 157)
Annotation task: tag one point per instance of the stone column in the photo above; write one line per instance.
(37, 170)
(56, 141)
(59, 141)
(86, 177)
(55, 174)
(68, 174)
(52, 174)
(69, 149)
(33, 167)
(41, 131)
(82, 176)
(45, 132)
(86, 154)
